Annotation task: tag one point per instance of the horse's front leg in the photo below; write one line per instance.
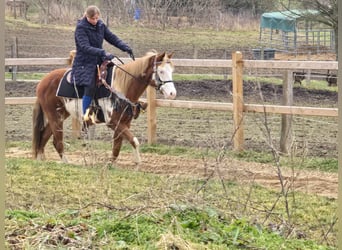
(135, 145)
(124, 133)
(136, 151)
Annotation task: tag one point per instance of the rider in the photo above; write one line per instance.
(89, 35)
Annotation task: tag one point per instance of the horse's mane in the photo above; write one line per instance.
(136, 68)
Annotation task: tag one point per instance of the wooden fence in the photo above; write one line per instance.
(238, 107)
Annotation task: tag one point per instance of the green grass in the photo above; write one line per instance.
(320, 85)
(15, 22)
(25, 76)
(198, 228)
(194, 77)
(309, 163)
(65, 205)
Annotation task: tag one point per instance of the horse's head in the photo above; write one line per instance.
(152, 69)
(162, 75)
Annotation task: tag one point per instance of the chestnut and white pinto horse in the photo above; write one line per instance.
(129, 83)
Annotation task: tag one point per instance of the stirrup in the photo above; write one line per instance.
(92, 118)
(86, 115)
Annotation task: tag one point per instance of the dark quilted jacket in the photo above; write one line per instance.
(89, 51)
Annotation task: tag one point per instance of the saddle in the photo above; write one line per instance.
(102, 73)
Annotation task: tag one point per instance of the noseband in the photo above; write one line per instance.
(159, 83)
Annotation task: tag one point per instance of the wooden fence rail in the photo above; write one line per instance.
(238, 107)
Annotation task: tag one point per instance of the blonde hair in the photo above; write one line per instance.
(91, 11)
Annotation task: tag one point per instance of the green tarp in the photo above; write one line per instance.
(284, 20)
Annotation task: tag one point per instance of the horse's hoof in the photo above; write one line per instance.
(40, 157)
(64, 159)
(137, 166)
(114, 160)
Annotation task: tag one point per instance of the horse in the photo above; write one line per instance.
(129, 81)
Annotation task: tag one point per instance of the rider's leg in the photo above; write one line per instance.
(89, 92)
(86, 100)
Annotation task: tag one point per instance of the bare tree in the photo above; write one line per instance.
(255, 7)
(58, 10)
(44, 7)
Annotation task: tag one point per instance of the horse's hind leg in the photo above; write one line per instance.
(54, 127)
(58, 143)
(117, 143)
(46, 134)
(57, 132)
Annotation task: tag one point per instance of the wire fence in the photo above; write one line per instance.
(204, 129)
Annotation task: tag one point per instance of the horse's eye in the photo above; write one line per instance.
(161, 72)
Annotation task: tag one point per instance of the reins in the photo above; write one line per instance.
(128, 73)
(157, 79)
(102, 71)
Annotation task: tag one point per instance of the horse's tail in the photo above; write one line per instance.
(38, 126)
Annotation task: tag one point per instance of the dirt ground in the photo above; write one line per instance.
(314, 182)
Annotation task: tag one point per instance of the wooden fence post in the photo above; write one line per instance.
(75, 128)
(195, 56)
(286, 120)
(237, 71)
(151, 115)
(225, 70)
(14, 53)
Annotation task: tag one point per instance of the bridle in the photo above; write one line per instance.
(158, 82)
(155, 76)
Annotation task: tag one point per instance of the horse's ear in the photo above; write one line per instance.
(170, 54)
(151, 60)
(160, 57)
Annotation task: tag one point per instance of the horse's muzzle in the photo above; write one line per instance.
(169, 91)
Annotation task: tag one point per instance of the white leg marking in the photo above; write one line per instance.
(64, 159)
(40, 157)
(136, 153)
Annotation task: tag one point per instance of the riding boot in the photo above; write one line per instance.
(86, 100)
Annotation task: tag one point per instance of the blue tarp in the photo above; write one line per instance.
(284, 20)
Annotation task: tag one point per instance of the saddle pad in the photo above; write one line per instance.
(67, 89)
(70, 90)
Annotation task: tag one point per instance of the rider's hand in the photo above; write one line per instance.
(130, 53)
(109, 56)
